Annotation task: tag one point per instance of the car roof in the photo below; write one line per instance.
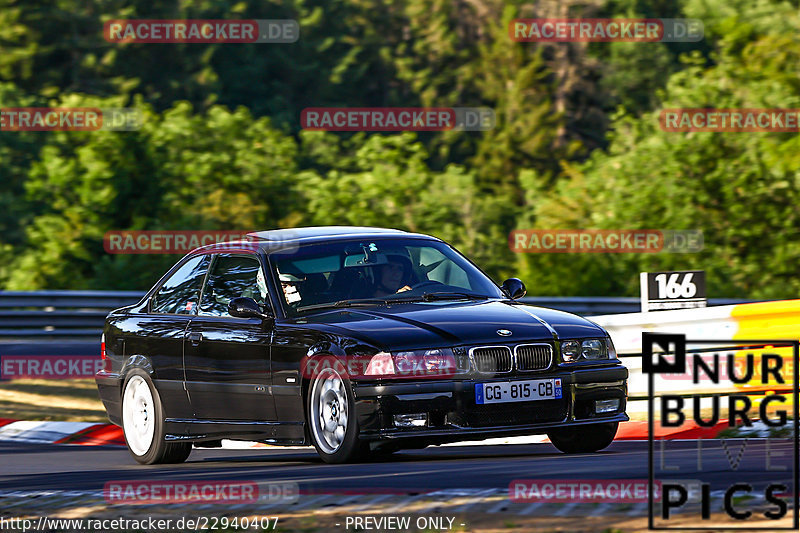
(296, 234)
(278, 239)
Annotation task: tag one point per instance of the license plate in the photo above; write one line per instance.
(518, 391)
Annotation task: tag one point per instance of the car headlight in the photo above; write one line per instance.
(593, 349)
(438, 362)
(588, 349)
(381, 364)
(570, 350)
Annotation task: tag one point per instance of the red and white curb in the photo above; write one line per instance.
(94, 434)
(84, 433)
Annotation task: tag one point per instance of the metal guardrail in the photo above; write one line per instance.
(51, 315)
(92, 300)
(79, 315)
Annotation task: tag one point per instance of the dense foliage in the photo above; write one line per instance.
(577, 142)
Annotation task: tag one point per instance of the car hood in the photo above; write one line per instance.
(417, 325)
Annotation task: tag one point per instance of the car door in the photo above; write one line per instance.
(227, 359)
(158, 342)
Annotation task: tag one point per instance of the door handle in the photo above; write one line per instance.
(195, 338)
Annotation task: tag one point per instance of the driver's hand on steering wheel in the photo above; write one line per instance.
(404, 288)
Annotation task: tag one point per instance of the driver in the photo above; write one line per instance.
(393, 276)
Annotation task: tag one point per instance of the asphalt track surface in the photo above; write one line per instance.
(32, 467)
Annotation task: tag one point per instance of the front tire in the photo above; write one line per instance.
(143, 424)
(332, 421)
(584, 439)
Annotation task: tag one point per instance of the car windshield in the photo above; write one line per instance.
(375, 272)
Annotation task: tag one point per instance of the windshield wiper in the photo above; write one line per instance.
(365, 302)
(433, 296)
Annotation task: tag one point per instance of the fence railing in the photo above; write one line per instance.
(47, 315)
(79, 315)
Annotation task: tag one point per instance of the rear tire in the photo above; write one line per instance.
(143, 423)
(584, 439)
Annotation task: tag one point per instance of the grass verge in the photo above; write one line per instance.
(73, 400)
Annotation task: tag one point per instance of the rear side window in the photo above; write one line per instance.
(180, 294)
(233, 276)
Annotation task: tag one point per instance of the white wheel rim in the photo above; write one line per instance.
(138, 415)
(329, 412)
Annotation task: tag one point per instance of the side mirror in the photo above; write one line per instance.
(246, 308)
(514, 288)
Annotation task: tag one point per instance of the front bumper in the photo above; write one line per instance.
(452, 413)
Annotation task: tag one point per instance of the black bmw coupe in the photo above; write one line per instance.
(356, 340)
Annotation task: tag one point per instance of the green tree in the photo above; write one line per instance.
(217, 170)
(741, 189)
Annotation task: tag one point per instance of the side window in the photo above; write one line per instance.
(180, 294)
(232, 276)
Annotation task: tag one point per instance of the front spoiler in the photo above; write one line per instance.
(455, 434)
